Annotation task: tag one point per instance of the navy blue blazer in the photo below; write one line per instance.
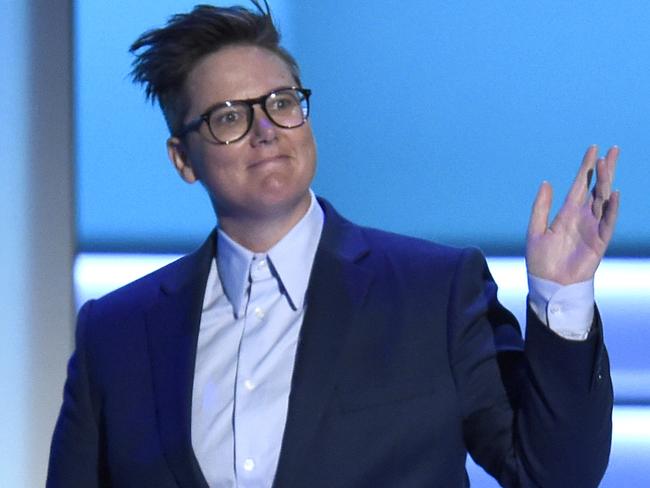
(406, 362)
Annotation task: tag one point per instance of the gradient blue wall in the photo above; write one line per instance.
(436, 119)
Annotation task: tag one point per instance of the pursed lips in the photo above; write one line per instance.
(280, 158)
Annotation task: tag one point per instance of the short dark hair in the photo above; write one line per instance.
(164, 57)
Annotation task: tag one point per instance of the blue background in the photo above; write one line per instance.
(436, 119)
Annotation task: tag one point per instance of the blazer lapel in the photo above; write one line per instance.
(172, 330)
(337, 289)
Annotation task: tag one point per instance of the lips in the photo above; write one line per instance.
(280, 158)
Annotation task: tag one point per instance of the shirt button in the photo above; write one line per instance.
(249, 464)
(249, 385)
(261, 264)
(555, 309)
(259, 313)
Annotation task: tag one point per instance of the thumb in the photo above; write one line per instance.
(541, 207)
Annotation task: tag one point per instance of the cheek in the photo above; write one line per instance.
(308, 149)
(213, 163)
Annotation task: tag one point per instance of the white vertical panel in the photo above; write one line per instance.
(13, 293)
(36, 243)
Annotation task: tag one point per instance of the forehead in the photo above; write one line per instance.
(235, 72)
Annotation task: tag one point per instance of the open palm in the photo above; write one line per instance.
(571, 248)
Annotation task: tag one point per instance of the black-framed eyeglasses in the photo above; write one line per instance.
(230, 121)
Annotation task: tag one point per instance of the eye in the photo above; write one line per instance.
(227, 116)
(283, 102)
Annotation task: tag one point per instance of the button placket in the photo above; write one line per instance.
(249, 464)
(259, 313)
(247, 394)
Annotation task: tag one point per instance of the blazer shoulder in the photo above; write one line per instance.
(401, 252)
(340, 233)
(418, 249)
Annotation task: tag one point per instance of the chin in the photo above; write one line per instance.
(284, 202)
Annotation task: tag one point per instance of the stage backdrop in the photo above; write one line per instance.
(436, 119)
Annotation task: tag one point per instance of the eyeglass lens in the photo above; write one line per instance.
(285, 108)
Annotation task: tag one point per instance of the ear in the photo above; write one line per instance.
(177, 153)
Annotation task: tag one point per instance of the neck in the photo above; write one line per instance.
(261, 234)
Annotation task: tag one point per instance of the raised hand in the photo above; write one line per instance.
(571, 248)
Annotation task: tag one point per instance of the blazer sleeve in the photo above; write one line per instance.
(534, 414)
(74, 453)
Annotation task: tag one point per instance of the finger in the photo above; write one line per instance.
(611, 159)
(606, 228)
(602, 189)
(541, 207)
(580, 187)
(605, 168)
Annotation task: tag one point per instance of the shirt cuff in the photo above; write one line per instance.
(568, 310)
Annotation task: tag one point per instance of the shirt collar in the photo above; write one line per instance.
(291, 259)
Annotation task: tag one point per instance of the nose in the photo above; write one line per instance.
(263, 130)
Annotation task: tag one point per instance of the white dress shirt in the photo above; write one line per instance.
(253, 309)
(567, 310)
